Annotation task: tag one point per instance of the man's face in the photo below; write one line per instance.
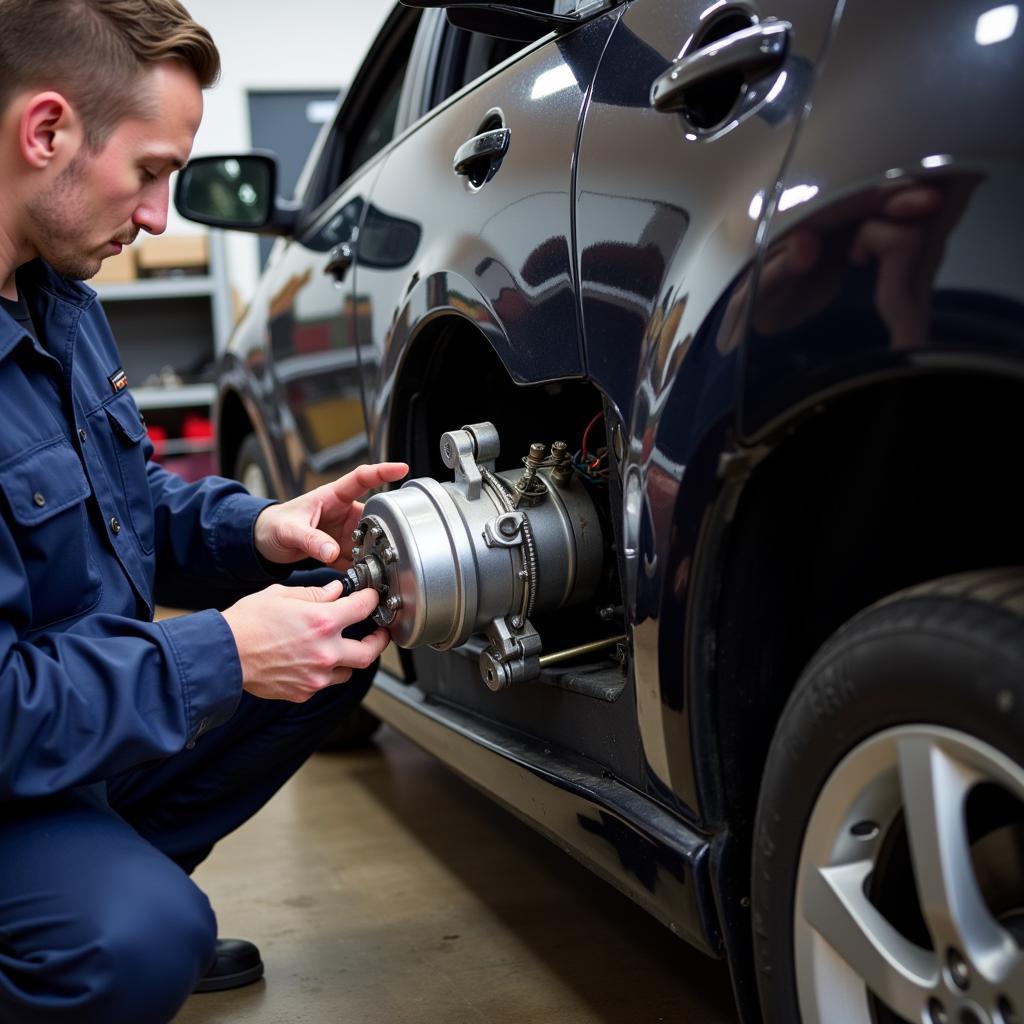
(100, 201)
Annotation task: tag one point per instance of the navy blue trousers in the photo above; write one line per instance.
(99, 920)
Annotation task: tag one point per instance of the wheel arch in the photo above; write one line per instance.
(233, 424)
(236, 417)
(887, 484)
(450, 373)
(819, 521)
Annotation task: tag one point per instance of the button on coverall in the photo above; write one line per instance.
(127, 747)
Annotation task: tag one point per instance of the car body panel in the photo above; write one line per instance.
(849, 294)
(611, 251)
(481, 258)
(300, 362)
(642, 850)
(667, 216)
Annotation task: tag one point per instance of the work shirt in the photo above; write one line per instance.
(91, 533)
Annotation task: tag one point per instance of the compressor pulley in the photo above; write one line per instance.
(483, 553)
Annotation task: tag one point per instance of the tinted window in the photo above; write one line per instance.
(379, 128)
(466, 56)
(366, 123)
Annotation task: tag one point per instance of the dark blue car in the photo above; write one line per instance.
(761, 267)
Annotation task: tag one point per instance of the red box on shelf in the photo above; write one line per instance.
(158, 435)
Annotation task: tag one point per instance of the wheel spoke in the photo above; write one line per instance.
(935, 786)
(1010, 975)
(898, 972)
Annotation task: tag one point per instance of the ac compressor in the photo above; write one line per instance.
(482, 553)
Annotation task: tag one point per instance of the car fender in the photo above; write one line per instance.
(427, 300)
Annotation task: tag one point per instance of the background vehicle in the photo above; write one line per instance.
(763, 257)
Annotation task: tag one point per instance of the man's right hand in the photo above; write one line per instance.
(289, 639)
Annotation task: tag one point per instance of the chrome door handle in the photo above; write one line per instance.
(757, 48)
(488, 147)
(340, 261)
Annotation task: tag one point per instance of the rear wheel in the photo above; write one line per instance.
(251, 468)
(888, 874)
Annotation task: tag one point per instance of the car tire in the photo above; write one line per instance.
(251, 468)
(888, 865)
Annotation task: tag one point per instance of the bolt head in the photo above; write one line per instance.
(393, 603)
(958, 969)
(389, 554)
(508, 527)
(376, 532)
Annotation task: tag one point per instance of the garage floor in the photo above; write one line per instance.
(384, 890)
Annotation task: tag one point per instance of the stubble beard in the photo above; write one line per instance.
(61, 224)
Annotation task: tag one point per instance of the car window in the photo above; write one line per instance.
(465, 56)
(366, 122)
(378, 129)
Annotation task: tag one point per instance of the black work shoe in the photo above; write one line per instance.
(237, 963)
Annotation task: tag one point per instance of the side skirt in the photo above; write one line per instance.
(645, 852)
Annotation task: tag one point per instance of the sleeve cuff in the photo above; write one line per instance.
(208, 666)
(234, 546)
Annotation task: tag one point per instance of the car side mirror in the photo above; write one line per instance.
(234, 192)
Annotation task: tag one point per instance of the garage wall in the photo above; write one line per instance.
(270, 45)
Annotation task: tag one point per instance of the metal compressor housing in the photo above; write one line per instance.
(479, 555)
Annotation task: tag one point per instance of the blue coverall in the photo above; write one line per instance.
(127, 747)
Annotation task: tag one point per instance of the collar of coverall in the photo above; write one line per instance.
(35, 277)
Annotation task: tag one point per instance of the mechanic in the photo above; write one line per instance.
(128, 747)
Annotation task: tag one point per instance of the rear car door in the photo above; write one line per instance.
(669, 200)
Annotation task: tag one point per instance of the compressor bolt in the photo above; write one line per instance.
(562, 473)
(358, 534)
(376, 532)
(533, 462)
(393, 603)
(389, 554)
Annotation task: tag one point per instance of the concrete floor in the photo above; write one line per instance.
(384, 890)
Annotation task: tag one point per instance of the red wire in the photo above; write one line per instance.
(586, 432)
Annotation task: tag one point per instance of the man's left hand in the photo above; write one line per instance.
(319, 524)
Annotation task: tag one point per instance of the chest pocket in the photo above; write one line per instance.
(128, 433)
(45, 494)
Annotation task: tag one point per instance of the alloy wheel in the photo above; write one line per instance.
(941, 942)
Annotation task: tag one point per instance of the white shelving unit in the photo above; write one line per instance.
(177, 322)
(185, 396)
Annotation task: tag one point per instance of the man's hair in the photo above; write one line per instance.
(95, 52)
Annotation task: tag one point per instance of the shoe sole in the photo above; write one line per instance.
(226, 981)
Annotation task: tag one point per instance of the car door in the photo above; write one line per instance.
(492, 240)
(307, 294)
(674, 177)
